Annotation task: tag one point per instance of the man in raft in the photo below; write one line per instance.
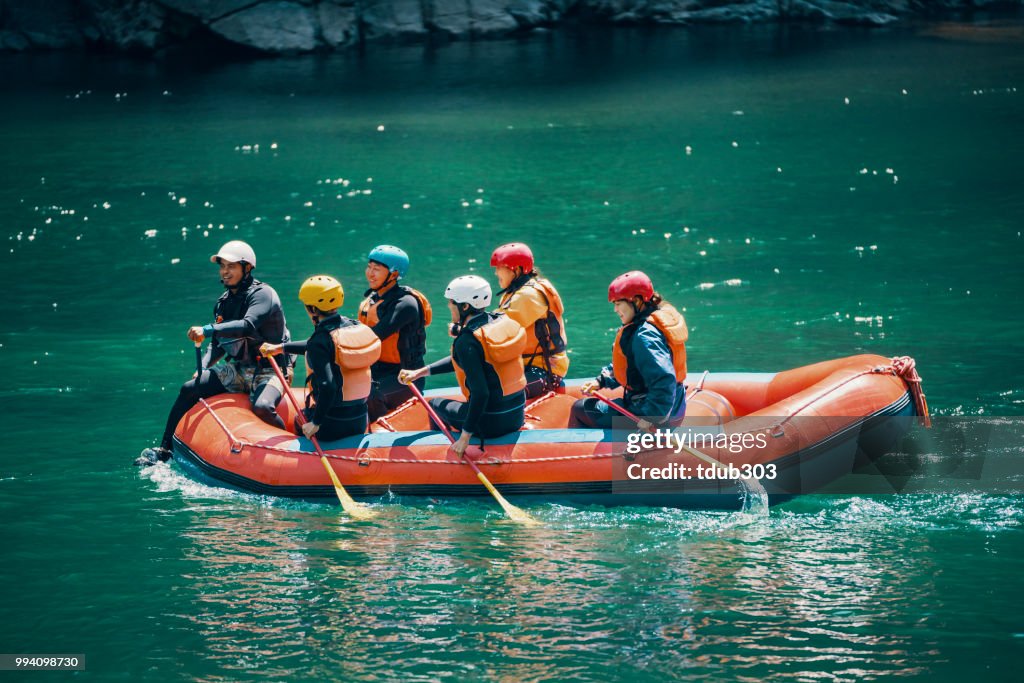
(399, 316)
(648, 359)
(339, 354)
(486, 358)
(534, 303)
(246, 315)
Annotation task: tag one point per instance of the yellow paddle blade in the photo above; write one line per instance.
(348, 504)
(515, 514)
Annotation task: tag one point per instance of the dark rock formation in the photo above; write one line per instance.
(298, 26)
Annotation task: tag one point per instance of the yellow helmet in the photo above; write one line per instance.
(322, 292)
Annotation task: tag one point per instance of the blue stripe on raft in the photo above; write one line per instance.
(424, 438)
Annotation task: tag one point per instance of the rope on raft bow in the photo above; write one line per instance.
(905, 368)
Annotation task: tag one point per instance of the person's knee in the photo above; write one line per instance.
(207, 384)
(578, 416)
(264, 412)
(190, 390)
(265, 407)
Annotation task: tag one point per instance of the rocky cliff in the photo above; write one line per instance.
(297, 26)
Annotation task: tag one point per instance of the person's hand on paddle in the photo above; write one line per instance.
(460, 445)
(589, 387)
(309, 429)
(645, 425)
(267, 350)
(410, 376)
(195, 333)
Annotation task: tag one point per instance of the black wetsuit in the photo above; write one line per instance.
(246, 318)
(336, 417)
(488, 413)
(398, 312)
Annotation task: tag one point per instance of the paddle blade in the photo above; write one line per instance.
(519, 515)
(348, 504)
(515, 514)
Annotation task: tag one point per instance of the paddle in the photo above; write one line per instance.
(753, 486)
(199, 360)
(514, 513)
(354, 509)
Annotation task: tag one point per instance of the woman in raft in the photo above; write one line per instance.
(648, 360)
(486, 359)
(534, 303)
(339, 354)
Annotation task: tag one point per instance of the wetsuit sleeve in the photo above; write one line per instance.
(260, 306)
(654, 361)
(326, 384)
(296, 347)
(527, 307)
(471, 358)
(440, 367)
(406, 311)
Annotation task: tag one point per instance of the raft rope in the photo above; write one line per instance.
(905, 368)
(901, 366)
(238, 444)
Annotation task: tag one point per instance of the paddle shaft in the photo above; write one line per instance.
(617, 407)
(347, 502)
(695, 453)
(199, 360)
(511, 510)
(430, 411)
(444, 428)
(295, 403)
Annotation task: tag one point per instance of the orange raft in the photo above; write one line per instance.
(796, 430)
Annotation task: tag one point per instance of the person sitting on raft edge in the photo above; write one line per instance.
(533, 302)
(246, 315)
(648, 360)
(339, 354)
(486, 359)
(399, 315)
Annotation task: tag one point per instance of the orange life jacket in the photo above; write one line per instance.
(389, 352)
(671, 324)
(546, 337)
(503, 340)
(356, 348)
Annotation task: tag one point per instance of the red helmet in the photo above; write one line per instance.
(513, 255)
(628, 285)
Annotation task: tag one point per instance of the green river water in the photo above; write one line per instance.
(804, 194)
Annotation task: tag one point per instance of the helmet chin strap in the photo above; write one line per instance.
(244, 282)
(388, 281)
(463, 316)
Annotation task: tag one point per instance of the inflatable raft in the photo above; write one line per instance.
(796, 431)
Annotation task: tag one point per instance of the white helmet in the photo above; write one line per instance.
(469, 289)
(235, 251)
